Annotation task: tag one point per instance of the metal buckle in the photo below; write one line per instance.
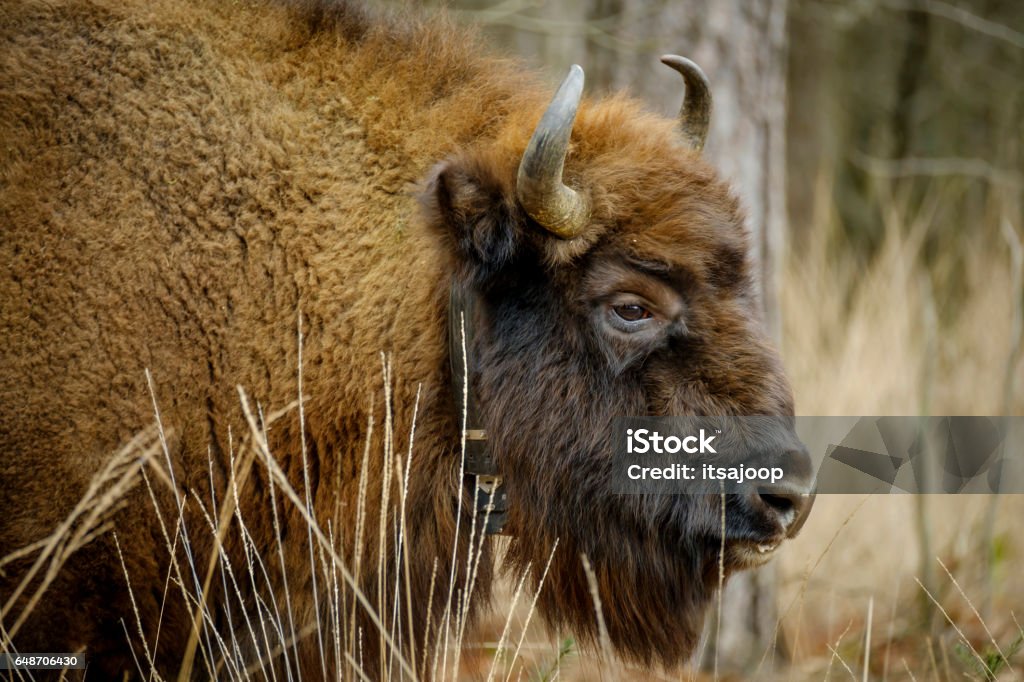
(491, 503)
(488, 483)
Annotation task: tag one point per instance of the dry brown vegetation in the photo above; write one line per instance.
(901, 335)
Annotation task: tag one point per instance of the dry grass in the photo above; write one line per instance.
(893, 336)
(260, 637)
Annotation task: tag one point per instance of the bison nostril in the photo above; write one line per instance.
(789, 504)
(780, 503)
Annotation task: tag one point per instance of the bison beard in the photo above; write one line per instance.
(181, 182)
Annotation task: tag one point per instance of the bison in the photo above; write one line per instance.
(324, 205)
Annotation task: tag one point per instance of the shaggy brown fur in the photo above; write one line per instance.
(179, 181)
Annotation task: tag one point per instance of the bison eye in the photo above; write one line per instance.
(632, 312)
(631, 315)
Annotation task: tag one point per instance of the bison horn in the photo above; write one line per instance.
(696, 110)
(560, 210)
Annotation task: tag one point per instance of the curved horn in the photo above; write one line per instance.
(695, 113)
(559, 209)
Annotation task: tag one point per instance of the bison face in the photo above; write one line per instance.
(628, 295)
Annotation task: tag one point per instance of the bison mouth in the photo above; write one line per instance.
(741, 556)
(757, 525)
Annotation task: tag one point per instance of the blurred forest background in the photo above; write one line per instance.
(877, 145)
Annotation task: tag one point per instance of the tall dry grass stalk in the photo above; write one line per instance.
(89, 519)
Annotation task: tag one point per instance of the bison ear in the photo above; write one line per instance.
(475, 212)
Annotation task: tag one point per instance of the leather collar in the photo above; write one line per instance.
(481, 477)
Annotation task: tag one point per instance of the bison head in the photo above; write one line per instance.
(611, 269)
